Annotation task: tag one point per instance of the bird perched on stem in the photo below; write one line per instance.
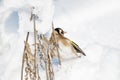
(66, 45)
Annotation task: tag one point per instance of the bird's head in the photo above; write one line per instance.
(60, 31)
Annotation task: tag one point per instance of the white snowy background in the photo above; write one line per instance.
(93, 24)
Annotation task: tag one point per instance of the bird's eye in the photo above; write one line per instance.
(61, 32)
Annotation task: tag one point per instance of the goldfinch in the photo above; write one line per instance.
(66, 45)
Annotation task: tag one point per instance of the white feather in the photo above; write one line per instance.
(65, 51)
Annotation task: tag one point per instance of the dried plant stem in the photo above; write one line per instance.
(34, 45)
(48, 58)
(46, 64)
(35, 50)
(56, 44)
(46, 48)
(24, 56)
(51, 73)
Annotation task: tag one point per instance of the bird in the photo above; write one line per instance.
(67, 44)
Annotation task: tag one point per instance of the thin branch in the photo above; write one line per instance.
(56, 44)
(24, 56)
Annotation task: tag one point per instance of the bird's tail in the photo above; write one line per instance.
(77, 48)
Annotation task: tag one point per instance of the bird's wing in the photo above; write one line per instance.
(77, 48)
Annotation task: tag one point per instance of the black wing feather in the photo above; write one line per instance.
(77, 48)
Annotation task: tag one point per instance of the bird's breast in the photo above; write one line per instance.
(65, 50)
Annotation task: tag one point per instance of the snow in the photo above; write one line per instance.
(92, 24)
